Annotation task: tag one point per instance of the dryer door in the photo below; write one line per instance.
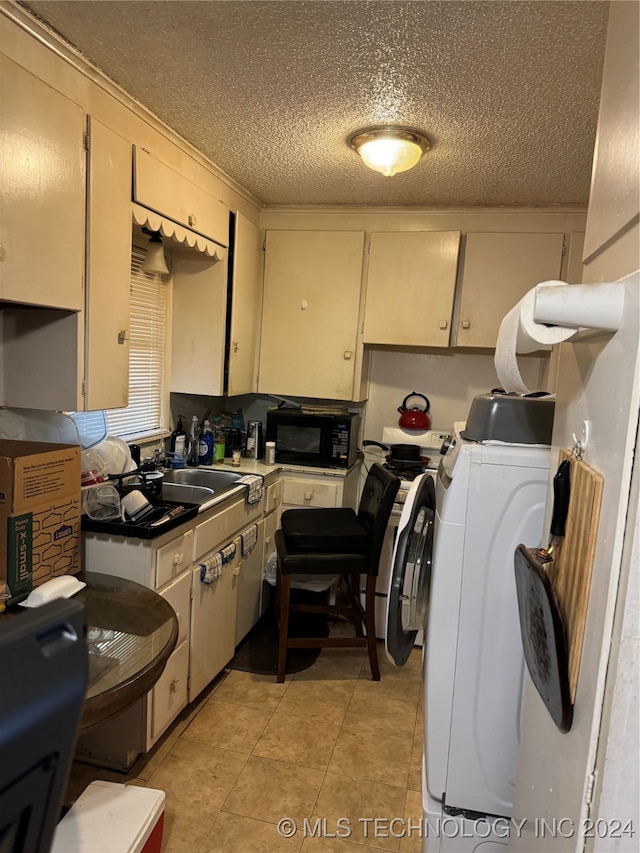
(410, 581)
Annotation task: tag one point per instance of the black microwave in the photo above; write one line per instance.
(318, 440)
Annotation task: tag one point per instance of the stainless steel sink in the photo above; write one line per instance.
(182, 493)
(219, 481)
(197, 485)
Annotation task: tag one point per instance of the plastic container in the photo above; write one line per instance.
(218, 441)
(510, 419)
(270, 453)
(112, 818)
(37, 425)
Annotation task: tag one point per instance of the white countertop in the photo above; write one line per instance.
(254, 466)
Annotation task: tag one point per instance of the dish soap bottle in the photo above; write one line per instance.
(178, 444)
(218, 441)
(192, 459)
(205, 451)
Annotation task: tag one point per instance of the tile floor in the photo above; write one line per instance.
(327, 744)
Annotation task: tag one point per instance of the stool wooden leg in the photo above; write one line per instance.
(284, 592)
(354, 595)
(370, 614)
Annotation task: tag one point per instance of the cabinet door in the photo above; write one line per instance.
(169, 694)
(198, 328)
(42, 215)
(411, 283)
(246, 305)
(213, 626)
(310, 313)
(498, 270)
(158, 187)
(311, 491)
(108, 269)
(249, 586)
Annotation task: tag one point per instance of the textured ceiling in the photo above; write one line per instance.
(271, 91)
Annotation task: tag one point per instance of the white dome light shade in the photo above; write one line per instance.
(390, 149)
(155, 261)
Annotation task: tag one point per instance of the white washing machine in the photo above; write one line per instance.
(429, 441)
(453, 576)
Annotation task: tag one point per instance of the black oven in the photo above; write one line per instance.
(318, 440)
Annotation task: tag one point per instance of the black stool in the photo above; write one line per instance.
(335, 542)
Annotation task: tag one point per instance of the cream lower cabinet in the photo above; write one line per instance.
(498, 271)
(310, 343)
(213, 624)
(411, 281)
(321, 489)
(163, 564)
(249, 583)
(215, 606)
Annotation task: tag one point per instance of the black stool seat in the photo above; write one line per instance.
(335, 541)
(336, 530)
(305, 562)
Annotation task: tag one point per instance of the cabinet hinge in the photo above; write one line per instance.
(564, 249)
(84, 387)
(192, 593)
(86, 142)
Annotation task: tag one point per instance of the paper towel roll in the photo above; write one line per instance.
(519, 333)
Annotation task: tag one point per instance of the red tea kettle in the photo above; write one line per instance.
(414, 418)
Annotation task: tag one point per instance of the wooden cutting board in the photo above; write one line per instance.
(574, 566)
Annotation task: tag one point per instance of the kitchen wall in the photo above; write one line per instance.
(449, 379)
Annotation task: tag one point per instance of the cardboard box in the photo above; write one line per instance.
(39, 513)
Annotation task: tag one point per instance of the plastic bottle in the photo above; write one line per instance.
(205, 451)
(179, 441)
(218, 441)
(192, 459)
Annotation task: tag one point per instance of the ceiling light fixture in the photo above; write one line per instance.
(155, 261)
(390, 149)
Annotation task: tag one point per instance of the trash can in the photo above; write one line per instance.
(112, 818)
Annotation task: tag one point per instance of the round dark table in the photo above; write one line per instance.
(131, 632)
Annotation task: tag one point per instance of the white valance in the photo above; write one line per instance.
(178, 233)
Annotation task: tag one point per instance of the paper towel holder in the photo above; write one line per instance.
(580, 306)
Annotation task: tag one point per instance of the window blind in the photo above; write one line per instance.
(144, 414)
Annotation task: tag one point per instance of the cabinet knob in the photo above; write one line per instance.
(308, 495)
(123, 335)
(1, 252)
(235, 346)
(177, 559)
(466, 324)
(347, 355)
(444, 324)
(173, 687)
(304, 305)
(192, 220)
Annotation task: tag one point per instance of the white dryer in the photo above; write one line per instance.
(453, 575)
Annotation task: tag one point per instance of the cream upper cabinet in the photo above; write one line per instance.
(42, 208)
(246, 303)
(310, 315)
(411, 282)
(162, 189)
(199, 321)
(498, 270)
(108, 268)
